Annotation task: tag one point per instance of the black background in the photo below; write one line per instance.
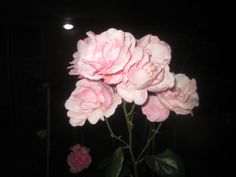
(35, 52)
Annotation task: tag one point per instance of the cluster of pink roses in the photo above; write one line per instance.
(79, 158)
(114, 65)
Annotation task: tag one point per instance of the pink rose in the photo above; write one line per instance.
(159, 53)
(79, 158)
(103, 56)
(144, 73)
(91, 100)
(154, 110)
(183, 97)
(142, 76)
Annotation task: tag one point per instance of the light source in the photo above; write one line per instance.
(68, 24)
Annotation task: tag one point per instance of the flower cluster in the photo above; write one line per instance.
(113, 66)
(79, 158)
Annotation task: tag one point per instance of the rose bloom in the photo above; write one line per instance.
(79, 158)
(103, 56)
(91, 100)
(159, 53)
(149, 70)
(183, 97)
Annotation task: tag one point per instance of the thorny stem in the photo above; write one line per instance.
(113, 135)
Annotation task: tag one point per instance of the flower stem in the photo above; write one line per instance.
(129, 121)
(128, 118)
(149, 141)
(113, 135)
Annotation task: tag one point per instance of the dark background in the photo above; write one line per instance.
(35, 54)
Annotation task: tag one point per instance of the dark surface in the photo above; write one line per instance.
(35, 52)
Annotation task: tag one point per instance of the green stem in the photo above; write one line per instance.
(129, 122)
(132, 112)
(113, 135)
(128, 118)
(149, 141)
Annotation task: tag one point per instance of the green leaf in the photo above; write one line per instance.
(125, 169)
(117, 164)
(166, 164)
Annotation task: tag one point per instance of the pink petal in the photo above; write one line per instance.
(154, 110)
(145, 40)
(140, 96)
(166, 83)
(114, 78)
(137, 55)
(116, 101)
(114, 34)
(125, 92)
(72, 106)
(161, 52)
(76, 119)
(95, 116)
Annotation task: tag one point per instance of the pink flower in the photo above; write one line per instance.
(159, 53)
(103, 56)
(91, 100)
(154, 110)
(79, 158)
(183, 97)
(144, 74)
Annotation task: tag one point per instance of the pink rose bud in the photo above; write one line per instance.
(79, 159)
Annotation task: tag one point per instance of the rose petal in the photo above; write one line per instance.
(125, 92)
(95, 116)
(154, 110)
(116, 101)
(140, 96)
